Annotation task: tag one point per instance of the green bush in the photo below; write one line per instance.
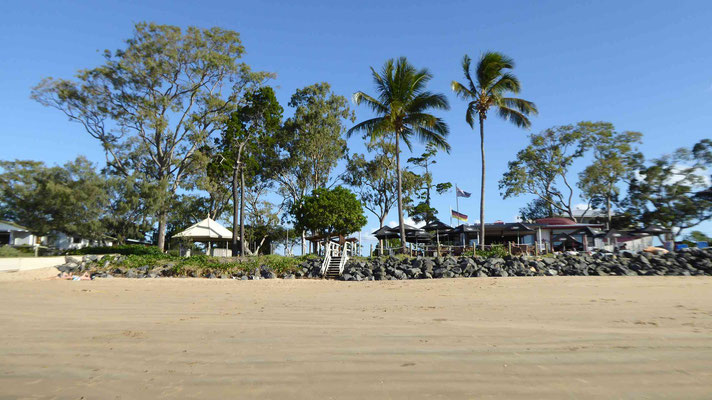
(203, 265)
(497, 251)
(126, 249)
(7, 251)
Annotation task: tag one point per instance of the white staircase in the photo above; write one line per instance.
(335, 258)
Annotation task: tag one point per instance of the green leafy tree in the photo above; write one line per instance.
(535, 209)
(615, 159)
(248, 148)
(329, 212)
(402, 106)
(541, 169)
(698, 236)
(131, 204)
(313, 142)
(68, 199)
(154, 103)
(423, 211)
(489, 90)
(667, 191)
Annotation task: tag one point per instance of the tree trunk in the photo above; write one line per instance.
(482, 189)
(242, 212)
(304, 242)
(608, 211)
(235, 212)
(381, 242)
(162, 223)
(400, 195)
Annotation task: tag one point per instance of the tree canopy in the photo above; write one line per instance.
(70, 199)
(329, 212)
(155, 102)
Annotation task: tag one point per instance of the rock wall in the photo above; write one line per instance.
(686, 262)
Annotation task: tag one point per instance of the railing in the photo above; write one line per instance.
(348, 249)
(331, 249)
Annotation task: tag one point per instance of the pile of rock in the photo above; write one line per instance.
(80, 264)
(686, 262)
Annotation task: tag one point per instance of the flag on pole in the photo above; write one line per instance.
(458, 215)
(462, 193)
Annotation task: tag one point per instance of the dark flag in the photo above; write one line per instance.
(462, 193)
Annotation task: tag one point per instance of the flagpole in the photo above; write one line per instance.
(457, 200)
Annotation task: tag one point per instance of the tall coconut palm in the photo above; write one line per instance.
(493, 83)
(401, 105)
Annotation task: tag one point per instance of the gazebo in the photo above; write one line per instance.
(208, 231)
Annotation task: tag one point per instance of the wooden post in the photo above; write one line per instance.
(510, 247)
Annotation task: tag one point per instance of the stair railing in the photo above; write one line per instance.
(344, 257)
(330, 250)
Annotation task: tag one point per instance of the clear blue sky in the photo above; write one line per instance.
(644, 66)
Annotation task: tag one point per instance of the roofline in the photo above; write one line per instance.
(13, 224)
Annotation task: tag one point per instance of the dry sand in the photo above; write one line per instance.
(508, 338)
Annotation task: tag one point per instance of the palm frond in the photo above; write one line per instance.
(471, 113)
(466, 62)
(427, 100)
(490, 67)
(507, 82)
(514, 116)
(375, 105)
(374, 127)
(461, 91)
(524, 106)
(433, 135)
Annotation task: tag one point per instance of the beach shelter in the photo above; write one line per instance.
(439, 228)
(207, 231)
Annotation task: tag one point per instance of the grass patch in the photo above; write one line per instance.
(203, 265)
(126, 249)
(7, 251)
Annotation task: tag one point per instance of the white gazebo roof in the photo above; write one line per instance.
(205, 230)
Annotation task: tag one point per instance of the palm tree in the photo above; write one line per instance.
(402, 105)
(493, 83)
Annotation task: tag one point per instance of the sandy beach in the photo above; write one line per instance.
(484, 338)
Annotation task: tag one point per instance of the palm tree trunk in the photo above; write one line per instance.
(482, 189)
(400, 195)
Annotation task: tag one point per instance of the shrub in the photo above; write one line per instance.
(7, 251)
(203, 265)
(126, 249)
(497, 251)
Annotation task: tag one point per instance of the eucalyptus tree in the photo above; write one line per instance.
(312, 142)
(402, 106)
(492, 83)
(673, 190)
(70, 199)
(249, 148)
(542, 168)
(615, 159)
(154, 103)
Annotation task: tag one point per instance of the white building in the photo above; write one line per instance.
(12, 234)
(63, 241)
